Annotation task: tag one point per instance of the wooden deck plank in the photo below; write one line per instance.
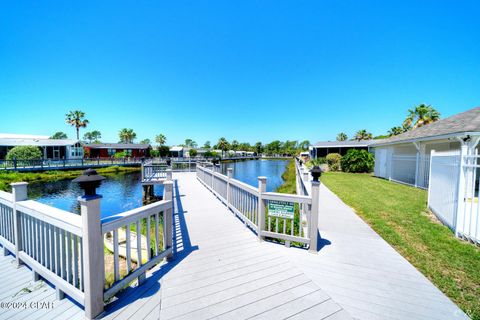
(219, 264)
(17, 286)
(364, 274)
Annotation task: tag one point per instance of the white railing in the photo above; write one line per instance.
(257, 208)
(47, 239)
(454, 192)
(68, 249)
(131, 234)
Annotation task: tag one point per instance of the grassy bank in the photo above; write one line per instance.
(288, 177)
(8, 177)
(399, 214)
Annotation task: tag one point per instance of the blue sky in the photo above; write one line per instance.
(246, 70)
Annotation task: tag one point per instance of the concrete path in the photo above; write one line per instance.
(364, 274)
(221, 271)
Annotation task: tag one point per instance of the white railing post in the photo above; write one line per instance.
(19, 193)
(461, 192)
(93, 258)
(262, 187)
(168, 219)
(229, 176)
(432, 154)
(313, 223)
(169, 174)
(142, 166)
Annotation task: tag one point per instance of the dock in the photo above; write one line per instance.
(223, 263)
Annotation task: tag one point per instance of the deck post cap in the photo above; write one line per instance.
(16, 184)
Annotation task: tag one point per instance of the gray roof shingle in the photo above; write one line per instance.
(117, 146)
(468, 121)
(346, 143)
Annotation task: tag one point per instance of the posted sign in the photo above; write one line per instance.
(281, 209)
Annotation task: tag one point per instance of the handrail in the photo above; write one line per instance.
(56, 217)
(286, 197)
(128, 217)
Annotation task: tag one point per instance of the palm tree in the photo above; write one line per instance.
(342, 136)
(59, 135)
(258, 147)
(127, 135)
(207, 145)
(304, 145)
(160, 139)
(395, 131)
(419, 116)
(94, 135)
(234, 145)
(76, 119)
(363, 135)
(222, 144)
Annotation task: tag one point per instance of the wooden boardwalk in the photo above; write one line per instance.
(29, 299)
(221, 271)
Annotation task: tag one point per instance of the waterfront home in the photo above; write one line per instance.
(322, 148)
(53, 149)
(107, 150)
(406, 157)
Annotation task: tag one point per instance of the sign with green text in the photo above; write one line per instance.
(281, 209)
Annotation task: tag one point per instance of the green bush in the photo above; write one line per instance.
(358, 161)
(333, 161)
(193, 153)
(120, 155)
(24, 153)
(154, 153)
(315, 162)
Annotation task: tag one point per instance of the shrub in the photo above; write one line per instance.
(358, 161)
(120, 155)
(154, 153)
(333, 161)
(315, 162)
(193, 153)
(24, 153)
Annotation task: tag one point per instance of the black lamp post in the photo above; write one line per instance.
(316, 173)
(169, 161)
(89, 181)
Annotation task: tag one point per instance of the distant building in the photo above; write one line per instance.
(178, 151)
(54, 149)
(107, 150)
(322, 148)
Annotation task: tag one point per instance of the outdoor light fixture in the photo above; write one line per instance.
(169, 161)
(89, 181)
(316, 173)
(300, 161)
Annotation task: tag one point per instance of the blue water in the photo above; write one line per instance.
(249, 171)
(123, 191)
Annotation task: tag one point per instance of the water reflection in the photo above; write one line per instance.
(249, 171)
(121, 192)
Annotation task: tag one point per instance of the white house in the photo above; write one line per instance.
(54, 149)
(406, 157)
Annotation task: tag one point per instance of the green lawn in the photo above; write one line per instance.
(399, 214)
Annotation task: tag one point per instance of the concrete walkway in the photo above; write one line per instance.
(364, 274)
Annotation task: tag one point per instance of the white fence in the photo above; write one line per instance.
(68, 249)
(251, 205)
(453, 192)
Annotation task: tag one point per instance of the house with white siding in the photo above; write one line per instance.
(405, 158)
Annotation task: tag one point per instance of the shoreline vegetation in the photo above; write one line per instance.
(289, 182)
(399, 214)
(9, 177)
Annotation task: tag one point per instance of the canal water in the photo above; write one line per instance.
(123, 191)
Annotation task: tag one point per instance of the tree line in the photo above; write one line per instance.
(417, 117)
